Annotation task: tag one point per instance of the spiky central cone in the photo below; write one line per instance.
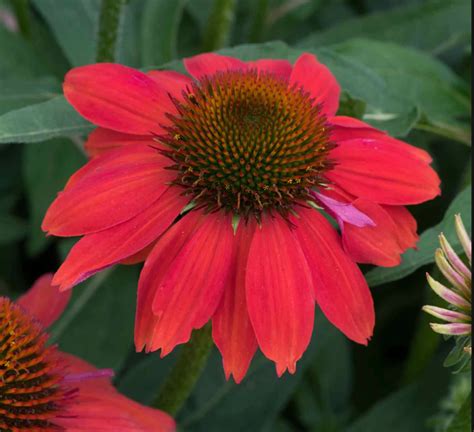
(31, 392)
(247, 142)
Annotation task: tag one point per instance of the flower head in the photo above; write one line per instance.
(457, 319)
(44, 389)
(223, 182)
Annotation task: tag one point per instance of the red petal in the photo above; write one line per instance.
(160, 259)
(405, 224)
(377, 244)
(102, 140)
(318, 80)
(109, 190)
(189, 287)
(231, 327)
(386, 174)
(172, 82)
(279, 294)
(348, 128)
(281, 68)
(210, 63)
(99, 407)
(117, 97)
(100, 250)
(44, 301)
(339, 286)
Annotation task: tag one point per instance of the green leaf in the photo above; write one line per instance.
(45, 172)
(422, 80)
(97, 325)
(434, 25)
(414, 259)
(462, 420)
(160, 22)
(18, 58)
(17, 93)
(74, 23)
(42, 121)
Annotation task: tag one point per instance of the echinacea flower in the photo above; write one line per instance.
(219, 183)
(44, 389)
(457, 319)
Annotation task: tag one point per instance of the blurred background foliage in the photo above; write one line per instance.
(404, 66)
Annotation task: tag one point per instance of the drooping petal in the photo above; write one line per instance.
(231, 328)
(344, 211)
(102, 140)
(279, 294)
(108, 191)
(349, 128)
(189, 288)
(117, 97)
(210, 63)
(339, 286)
(376, 244)
(405, 224)
(281, 68)
(44, 301)
(161, 258)
(99, 407)
(100, 250)
(318, 80)
(382, 174)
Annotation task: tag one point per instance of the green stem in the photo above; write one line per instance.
(219, 25)
(185, 373)
(109, 21)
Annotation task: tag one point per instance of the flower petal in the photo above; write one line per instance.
(100, 250)
(376, 244)
(281, 68)
(279, 294)
(339, 286)
(318, 80)
(406, 226)
(99, 407)
(231, 328)
(109, 190)
(188, 289)
(208, 64)
(44, 301)
(348, 128)
(172, 82)
(382, 174)
(117, 97)
(102, 140)
(159, 260)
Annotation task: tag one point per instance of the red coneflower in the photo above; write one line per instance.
(220, 181)
(44, 389)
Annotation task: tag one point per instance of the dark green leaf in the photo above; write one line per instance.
(45, 173)
(97, 326)
(434, 25)
(42, 121)
(17, 93)
(414, 259)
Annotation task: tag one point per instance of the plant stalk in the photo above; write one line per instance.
(109, 21)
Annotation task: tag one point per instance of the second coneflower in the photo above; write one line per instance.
(223, 182)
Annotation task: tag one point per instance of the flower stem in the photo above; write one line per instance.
(185, 373)
(22, 12)
(219, 24)
(109, 20)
